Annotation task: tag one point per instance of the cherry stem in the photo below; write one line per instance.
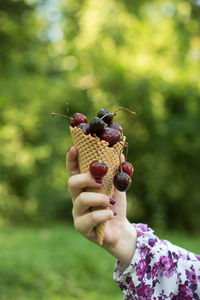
(125, 145)
(126, 151)
(105, 116)
(60, 115)
(123, 108)
(120, 159)
(67, 106)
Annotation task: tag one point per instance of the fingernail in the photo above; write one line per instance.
(114, 213)
(112, 201)
(99, 180)
(69, 148)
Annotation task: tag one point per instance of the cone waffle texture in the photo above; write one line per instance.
(91, 149)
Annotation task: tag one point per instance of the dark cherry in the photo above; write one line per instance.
(110, 135)
(105, 115)
(97, 125)
(97, 169)
(84, 127)
(77, 119)
(122, 181)
(116, 126)
(127, 168)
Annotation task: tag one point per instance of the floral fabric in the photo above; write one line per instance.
(159, 270)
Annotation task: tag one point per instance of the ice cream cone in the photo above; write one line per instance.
(91, 149)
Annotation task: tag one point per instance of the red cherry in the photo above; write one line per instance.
(116, 126)
(110, 135)
(98, 169)
(78, 119)
(84, 127)
(105, 115)
(97, 125)
(122, 181)
(127, 168)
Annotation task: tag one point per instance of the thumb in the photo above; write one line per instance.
(72, 161)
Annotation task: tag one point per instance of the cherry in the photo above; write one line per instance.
(77, 119)
(84, 127)
(97, 169)
(122, 181)
(110, 135)
(97, 125)
(127, 168)
(105, 115)
(116, 126)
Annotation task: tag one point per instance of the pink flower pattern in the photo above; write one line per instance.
(159, 270)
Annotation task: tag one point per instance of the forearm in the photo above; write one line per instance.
(124, 248)
(159, 270)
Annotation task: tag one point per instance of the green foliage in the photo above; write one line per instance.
(56, 263)
(144, 56)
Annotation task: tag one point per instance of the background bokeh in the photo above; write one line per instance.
(143, 55)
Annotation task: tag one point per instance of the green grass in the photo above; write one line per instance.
(53, 263)
(56, 263)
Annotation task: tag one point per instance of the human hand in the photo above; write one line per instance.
(118, 230)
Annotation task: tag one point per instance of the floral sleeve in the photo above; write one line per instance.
(159, 270)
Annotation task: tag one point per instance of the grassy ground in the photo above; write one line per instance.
(56, 263)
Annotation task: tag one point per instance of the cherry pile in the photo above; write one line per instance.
(102, 126)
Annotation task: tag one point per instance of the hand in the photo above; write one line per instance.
(118, 230)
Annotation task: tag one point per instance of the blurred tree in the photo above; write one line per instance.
(94, 54)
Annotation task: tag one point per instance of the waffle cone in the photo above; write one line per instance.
(91, 149)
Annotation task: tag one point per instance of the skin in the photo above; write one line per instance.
(120, 236)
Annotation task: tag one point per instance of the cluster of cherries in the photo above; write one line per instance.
(103, 127)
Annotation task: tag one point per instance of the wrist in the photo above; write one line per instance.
(124, 248)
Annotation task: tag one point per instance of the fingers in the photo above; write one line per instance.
(120, 203)
(86, 200)
(122, 158)
(86, 223)
(72, 161)
(78, 182)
